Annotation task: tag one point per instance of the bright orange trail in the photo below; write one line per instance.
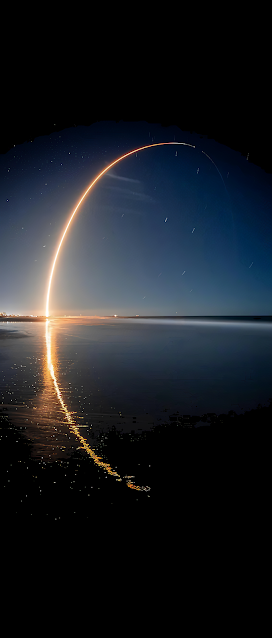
(83, 197)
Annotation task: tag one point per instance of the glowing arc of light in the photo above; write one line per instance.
(83, 197)
(68, 414)
(71, 421)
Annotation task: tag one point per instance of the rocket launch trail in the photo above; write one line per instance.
(119, 159)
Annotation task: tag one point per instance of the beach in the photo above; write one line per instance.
(185, 468)
(14, 319)
(50, 467)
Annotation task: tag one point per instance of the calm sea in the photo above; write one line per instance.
(68, 380)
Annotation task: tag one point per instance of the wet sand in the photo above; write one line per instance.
(8, 334)
(185, 467)
(21, 318)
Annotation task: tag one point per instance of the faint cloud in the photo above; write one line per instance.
(123, 179)
(129, 194)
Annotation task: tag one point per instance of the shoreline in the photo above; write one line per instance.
(30, 319)
(21, 318)
(230, 450)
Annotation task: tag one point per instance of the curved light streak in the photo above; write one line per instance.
(217, 170)
(68, 415)
(83, 197)
(97, 459)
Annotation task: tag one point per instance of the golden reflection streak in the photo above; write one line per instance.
(83, 197)
(72, 423)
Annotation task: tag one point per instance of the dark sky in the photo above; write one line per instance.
(167, 232)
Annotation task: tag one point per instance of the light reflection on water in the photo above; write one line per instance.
(53, 429)
(76, 375)
(70, 416)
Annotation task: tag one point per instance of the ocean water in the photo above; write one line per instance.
(66, 381)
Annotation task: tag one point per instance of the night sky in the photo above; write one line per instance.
(165, 232)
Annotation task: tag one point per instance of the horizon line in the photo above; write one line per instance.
(13, 316)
